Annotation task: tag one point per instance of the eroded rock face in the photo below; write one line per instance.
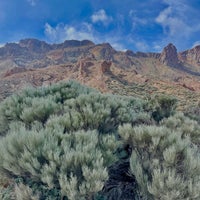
(105, 66)
(169, 56)
(83, 65)
(191, 56)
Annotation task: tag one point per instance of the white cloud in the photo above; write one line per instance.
(172, 23)
(2, 45)
(62, 32)
(101, 16)
(67, 32)
(175, 19)
(32, 2)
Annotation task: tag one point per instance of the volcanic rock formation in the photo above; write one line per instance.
(169, 56)
(105, 66)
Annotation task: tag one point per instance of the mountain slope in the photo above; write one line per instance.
(34, 62)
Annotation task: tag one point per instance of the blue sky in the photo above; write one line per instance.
(139, 25)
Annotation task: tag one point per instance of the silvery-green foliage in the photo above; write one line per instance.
(60, 139)
(102, 112)
(183, 124)
(37, 104)
(165, 162)
(38, 110)
(58, 159)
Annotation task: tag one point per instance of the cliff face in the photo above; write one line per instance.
(191, 56)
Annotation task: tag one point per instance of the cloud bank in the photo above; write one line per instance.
(62, 32)
(178, 21)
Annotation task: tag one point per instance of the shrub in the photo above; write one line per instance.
(37, 104)
(188, 128)
(75, 163)
(66, 141)
(54, 134)
(165, 163)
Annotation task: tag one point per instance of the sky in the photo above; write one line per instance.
(138, 25)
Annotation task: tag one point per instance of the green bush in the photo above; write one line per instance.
(64, 137)
(75, 163)
(165, 163)
(188, 128)
(70, 142)
(37, 104)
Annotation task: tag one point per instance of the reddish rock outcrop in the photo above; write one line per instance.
(105, 66)
(83, 65)
(169, 56)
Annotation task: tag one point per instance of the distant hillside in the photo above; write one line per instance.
(36, 63)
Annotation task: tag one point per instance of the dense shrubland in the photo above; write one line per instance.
(67, 141)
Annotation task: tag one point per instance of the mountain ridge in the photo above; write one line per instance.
(34, 62)
(36, 49)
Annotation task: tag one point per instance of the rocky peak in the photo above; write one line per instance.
(169, 56)
(35, 45)
(11, 50)
(103, 51)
